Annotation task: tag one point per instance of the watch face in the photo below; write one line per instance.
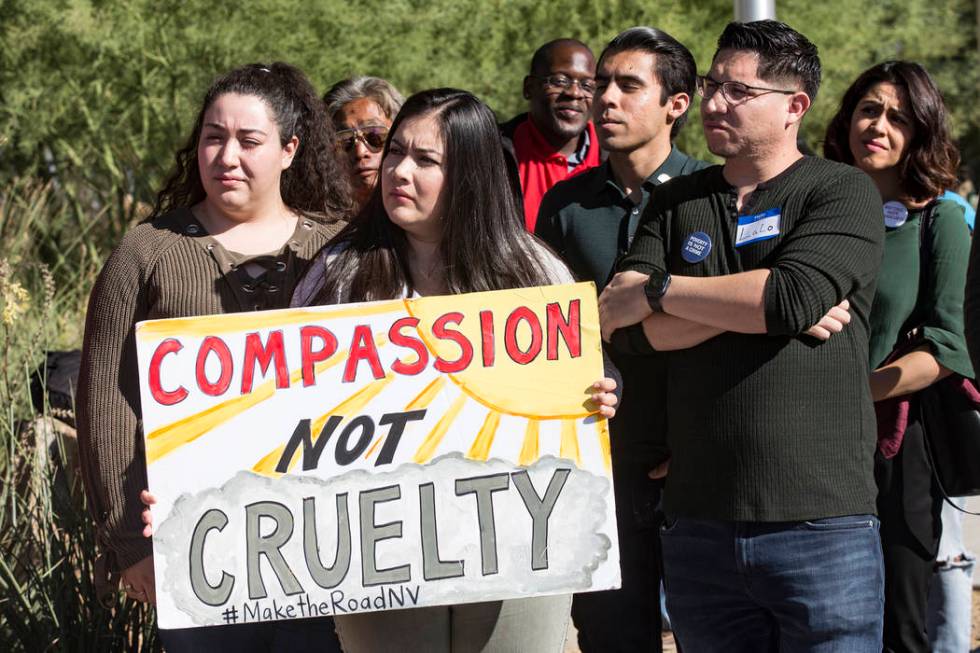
(655, 287)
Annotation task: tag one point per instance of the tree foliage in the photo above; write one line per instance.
(102, 92)
(96, 96)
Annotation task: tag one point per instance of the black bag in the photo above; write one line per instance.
(951, 423)
(55, 380)
(949, 411)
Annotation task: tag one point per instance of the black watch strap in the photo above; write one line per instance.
(655, 288)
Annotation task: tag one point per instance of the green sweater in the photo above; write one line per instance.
(900, 305)
(775, 426)
(165, 268)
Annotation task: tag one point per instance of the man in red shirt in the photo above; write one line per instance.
(554, 140)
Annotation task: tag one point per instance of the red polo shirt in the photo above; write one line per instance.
(541, 166)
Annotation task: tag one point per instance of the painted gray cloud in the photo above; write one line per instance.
(462, 530)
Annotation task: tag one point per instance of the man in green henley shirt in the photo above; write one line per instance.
(759, 274)
(645, 81)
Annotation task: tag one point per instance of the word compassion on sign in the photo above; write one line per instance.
(377, 456)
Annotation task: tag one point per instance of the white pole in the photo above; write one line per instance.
(747, 11)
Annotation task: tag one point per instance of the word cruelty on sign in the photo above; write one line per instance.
(334, 460)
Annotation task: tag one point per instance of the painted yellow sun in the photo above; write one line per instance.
(530, 357)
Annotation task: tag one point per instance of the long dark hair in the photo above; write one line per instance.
(929, 166)
(314, 184)
(484, 244)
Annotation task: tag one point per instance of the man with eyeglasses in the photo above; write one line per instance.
(759, 276)
(554, 140)
(644, 85)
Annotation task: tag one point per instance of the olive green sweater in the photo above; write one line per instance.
(775, 426)
(169, 267)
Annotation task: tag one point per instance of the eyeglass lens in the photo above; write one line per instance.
(562, 82)
(373, 138)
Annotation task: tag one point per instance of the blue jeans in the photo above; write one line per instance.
(787, 586)
(951, 589)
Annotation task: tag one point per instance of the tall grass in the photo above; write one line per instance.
(52, 241)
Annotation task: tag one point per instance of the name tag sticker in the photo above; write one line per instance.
(753, 228)
(696, 248)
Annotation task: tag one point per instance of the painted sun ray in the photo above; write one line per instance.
(168, 438)
(374, 446)
(530, 448)
(480, 450)
(602, 430)
(422, 400)
(569, 442)
(353, 404)
(428, 447)
(429, 392)
(267, 464)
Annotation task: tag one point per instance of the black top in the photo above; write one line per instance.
(775, 426)
(589, 221)
(971, 305)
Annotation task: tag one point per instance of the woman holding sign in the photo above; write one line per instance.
(443, 222)
(256, 193)
(892, 125)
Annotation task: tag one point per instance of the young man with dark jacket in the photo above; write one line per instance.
(644, 84)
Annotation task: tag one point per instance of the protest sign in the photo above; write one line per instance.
(334, 460)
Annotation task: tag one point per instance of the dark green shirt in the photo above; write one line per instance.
(589, 221)
(775, 426)
(900, 304)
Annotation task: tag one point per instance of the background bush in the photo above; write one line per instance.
(96, 95)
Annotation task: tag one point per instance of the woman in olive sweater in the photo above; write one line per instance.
(255, 194)
(892, 125)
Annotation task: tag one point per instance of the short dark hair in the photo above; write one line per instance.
(542, 56)
(930, 162)
(783, 52)
(484, 243)
(674, 64)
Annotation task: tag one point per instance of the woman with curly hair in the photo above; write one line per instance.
(892, 125)
(255, 194)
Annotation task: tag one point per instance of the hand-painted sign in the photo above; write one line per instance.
(333, 460)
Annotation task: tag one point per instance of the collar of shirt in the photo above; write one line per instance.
(545, 151)
(579, 155)
(752, 200)
(670, 168)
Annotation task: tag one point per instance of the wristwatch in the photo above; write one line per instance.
(655, 288)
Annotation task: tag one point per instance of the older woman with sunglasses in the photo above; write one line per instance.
(362, 109)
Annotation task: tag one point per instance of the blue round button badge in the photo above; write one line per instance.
(895, 214)
(696, 248)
